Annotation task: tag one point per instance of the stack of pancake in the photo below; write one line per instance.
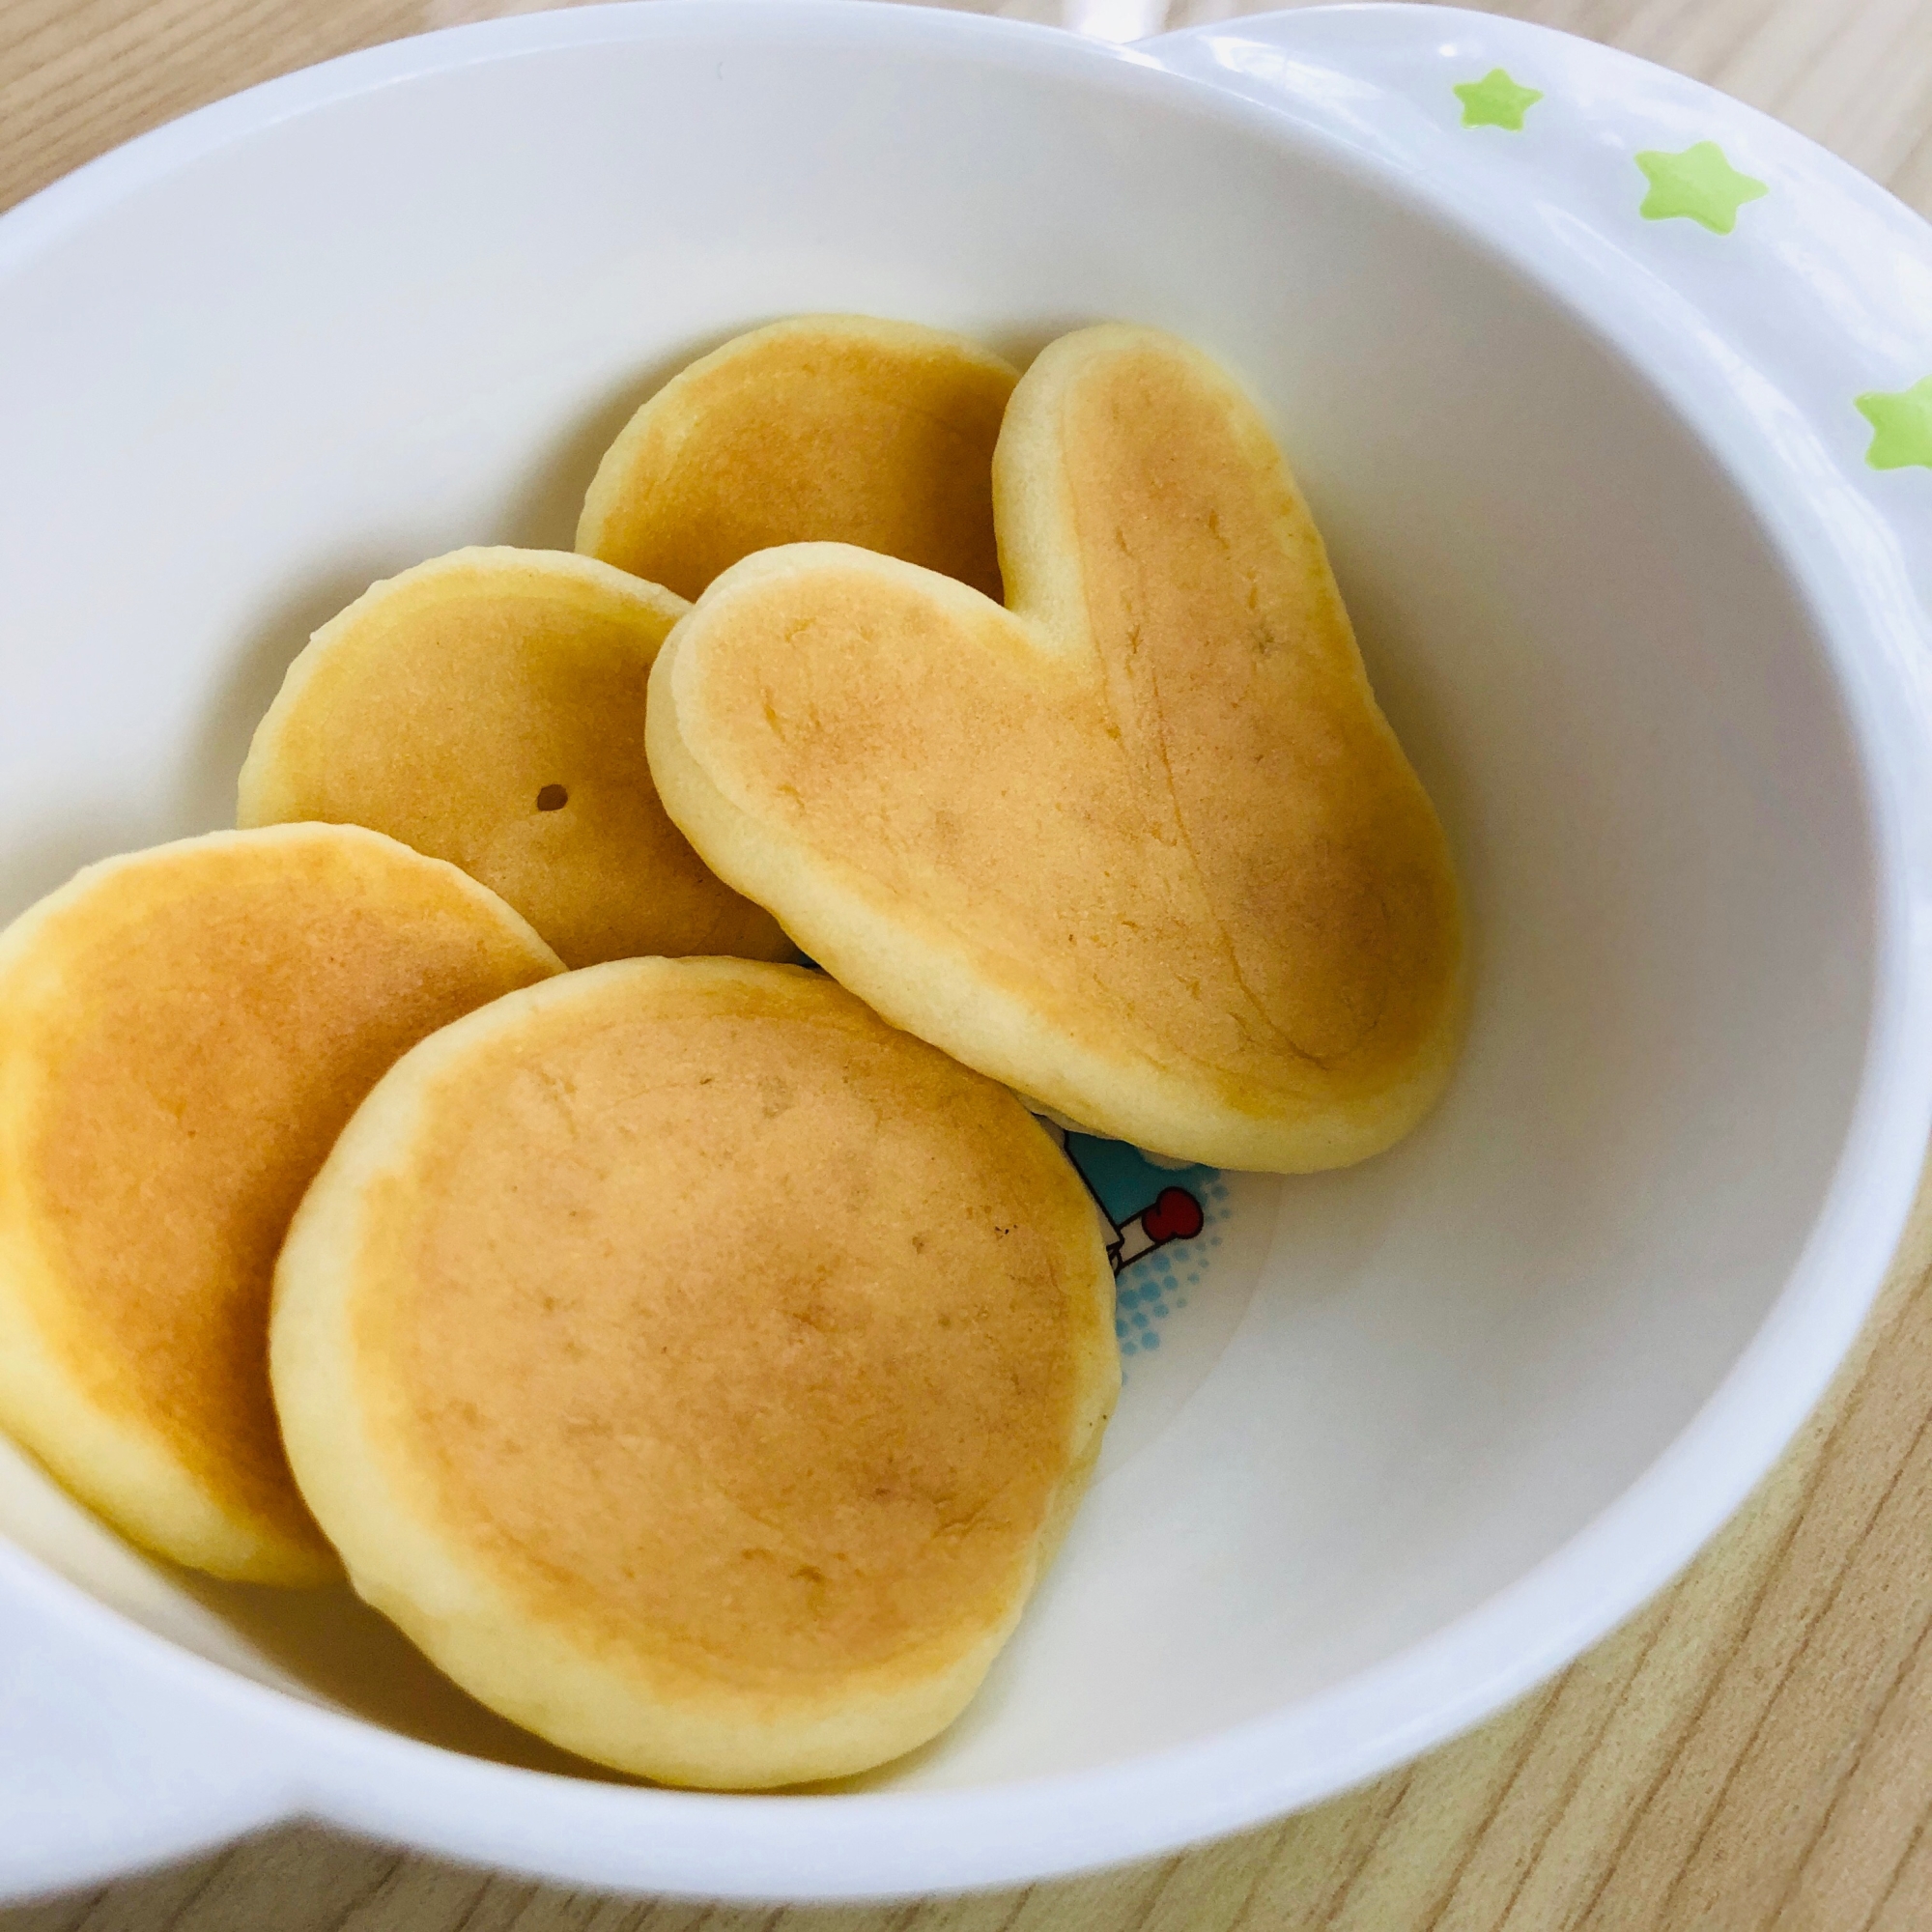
(454, 1177)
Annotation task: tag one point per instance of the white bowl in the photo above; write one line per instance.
(1650, 625)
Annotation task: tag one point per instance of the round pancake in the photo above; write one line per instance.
(833, 428)
(697, 1369)
(1142, 844)
(488, 708)
(183, 1034)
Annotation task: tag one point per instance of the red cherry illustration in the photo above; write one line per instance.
(1174, 1216)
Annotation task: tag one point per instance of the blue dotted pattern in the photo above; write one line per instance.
(1151, 1288)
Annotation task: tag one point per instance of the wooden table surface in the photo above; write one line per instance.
(1753, 1751)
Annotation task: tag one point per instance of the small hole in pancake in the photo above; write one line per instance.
(552, 797)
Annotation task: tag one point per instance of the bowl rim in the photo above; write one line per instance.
(307, 1758)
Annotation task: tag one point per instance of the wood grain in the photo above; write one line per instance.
(1751, 1753)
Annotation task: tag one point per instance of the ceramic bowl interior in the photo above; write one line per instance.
(410, 316)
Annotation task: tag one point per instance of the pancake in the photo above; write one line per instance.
(832, 428)
(182, 1033)
(697, 1369)
(488, 708)
(1142, 846)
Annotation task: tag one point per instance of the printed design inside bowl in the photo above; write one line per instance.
(1187, 1244)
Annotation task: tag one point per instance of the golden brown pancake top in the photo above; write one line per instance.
(728, 1324)
(824, 429)
(1157, 801)
(488, 708)
(183, 1046)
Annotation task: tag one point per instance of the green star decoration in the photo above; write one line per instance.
(1699, 183)
(1901, 426)
(1496, 102)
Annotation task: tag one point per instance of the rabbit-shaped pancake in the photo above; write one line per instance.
(1139, 844)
